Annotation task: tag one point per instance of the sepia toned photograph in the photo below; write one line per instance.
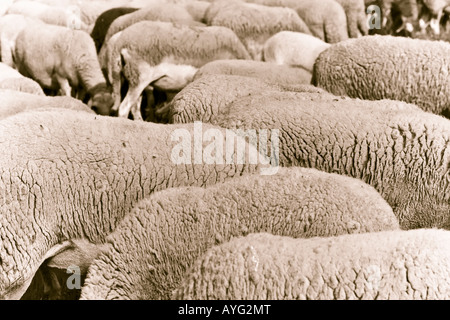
(245, 152)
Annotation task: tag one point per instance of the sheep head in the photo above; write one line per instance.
(101, 100)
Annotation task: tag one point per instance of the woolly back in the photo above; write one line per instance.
(155, 41)
(157, 12)
(22, 84)
(251, 20)
(104, 21)
(386, 67)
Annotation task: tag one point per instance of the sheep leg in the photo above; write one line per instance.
(435, 23)
(116, 95)
(151, 104)
(402, 27)
(131, 99)
(135, 91)
(64, 87)
(6, 52)
(386, 14)
(136, 109)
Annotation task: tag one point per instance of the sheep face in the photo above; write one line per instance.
(101, 102)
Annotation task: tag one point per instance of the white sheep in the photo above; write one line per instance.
(87, 10)
(269, 76)
(389, 265)
(10, 26)
(355, 11)
(22, 84)
(294, 49)
(158, 12)
(11, 79)
(161, 238)
(253, 23)
(4, 6)
(49, 14)
(69, 174)
(210, 95)
(59, 58)
(197, 9)
(396, 147)
(270, 72)
(386, 67)
(13, 102)
(169, 61)
(326, 19)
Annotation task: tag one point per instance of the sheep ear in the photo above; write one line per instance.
(63, 261)
(57, 249)
(79, 254)
(126, 55)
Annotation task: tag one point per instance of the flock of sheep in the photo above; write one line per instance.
(99, 198)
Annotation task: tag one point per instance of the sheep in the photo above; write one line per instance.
(13, 102)
(408, 12)
(436, 8)
(87, 10)
(4, 5)
(207, 97)
(325, 19)
(397, 148)
(165, 233)
(269, 72)
(253, 23)
(294, 48)
(171, 60)
(73, 175)
(388, 265)
(104, 21)
(197, 9)
(167, 12)
(11, 79)
(22, 84)
(355, 11)
(10, 27)
(60, 58)
(387, 67)
(287, 77)
(49, 14)
(144, 3)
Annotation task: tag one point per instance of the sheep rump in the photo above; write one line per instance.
(66, 175)
(166, 232)
(210, 95)
(386, 67)
(166, 12)
(326, 19)
(383, 265)
(265, 71)
(253, 23)
(400, 150)
(13, 102)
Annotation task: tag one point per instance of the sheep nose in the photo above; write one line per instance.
(113, 113)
